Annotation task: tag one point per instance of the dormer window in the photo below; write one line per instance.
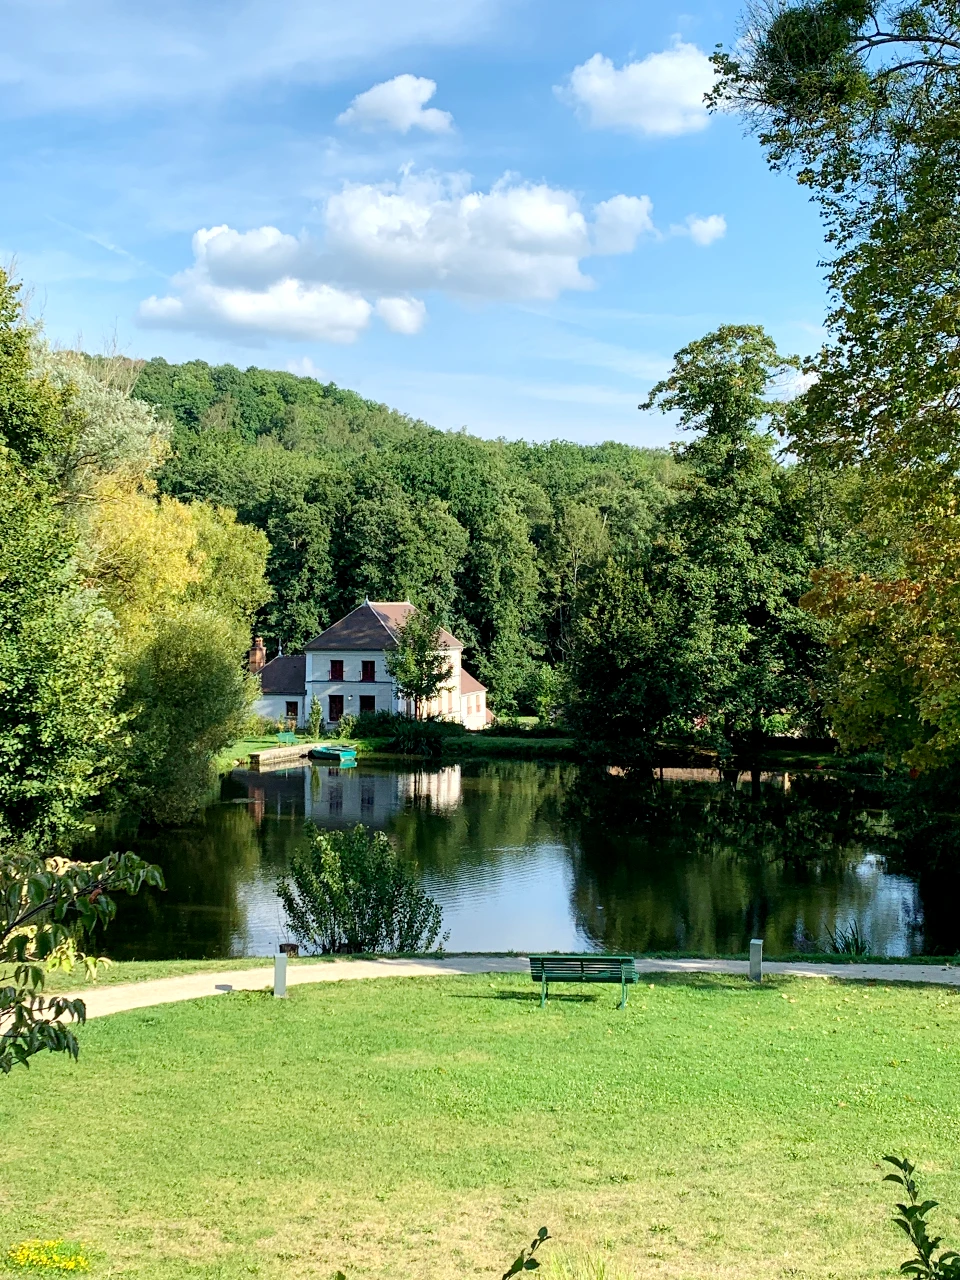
(336, 668)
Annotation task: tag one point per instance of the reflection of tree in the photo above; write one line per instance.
(921, 838)
(198, 915)
(706, 866)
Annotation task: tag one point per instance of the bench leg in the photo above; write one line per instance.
(543, 991)
(623, 993)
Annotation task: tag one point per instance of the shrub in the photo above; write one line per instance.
(351, 892)
(423, 737)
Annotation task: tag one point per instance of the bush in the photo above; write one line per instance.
(423, 737)
(351, 892)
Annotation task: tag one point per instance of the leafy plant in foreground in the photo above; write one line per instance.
(912, 1221)
(352, 892)
(47, 907)
(525, 1261)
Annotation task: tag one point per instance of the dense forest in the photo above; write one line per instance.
(496, 539)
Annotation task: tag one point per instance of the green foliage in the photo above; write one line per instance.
(861, 101)
(47, 908)
(926, 1263)
(315, 725)
(185, 697)
(351, 892)
(705, 627)
(356, 499)
(420, 667)
(412, 737)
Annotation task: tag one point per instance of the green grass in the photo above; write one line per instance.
(427, 1127)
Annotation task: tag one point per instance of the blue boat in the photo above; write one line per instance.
(333, 754)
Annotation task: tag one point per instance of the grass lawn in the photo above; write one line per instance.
(427, 1127)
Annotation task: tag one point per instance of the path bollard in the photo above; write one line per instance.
(280, 975)
(756, 959)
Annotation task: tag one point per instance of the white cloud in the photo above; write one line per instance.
(402, 315)
(398, 104)
(702, 231)
(518, 240)
(305, 368)
(288, 309)
(662, 95)
(381, 243)
(57, 54)
(620, 221)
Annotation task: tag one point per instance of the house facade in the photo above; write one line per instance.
(345, 668)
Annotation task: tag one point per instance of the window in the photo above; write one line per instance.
(449, 699)
(368, 704)
(368, 671)
(469, 704)
(293, 710)
(336, 707)
(336, 669)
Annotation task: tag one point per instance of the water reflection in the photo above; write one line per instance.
(554, 856)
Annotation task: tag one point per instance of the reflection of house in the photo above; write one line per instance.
(441, 789)
(345, 668)
(340, 797)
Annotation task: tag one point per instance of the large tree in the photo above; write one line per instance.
(705, 627)
(861, 100)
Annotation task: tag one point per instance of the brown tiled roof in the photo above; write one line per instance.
(470, 684)
(372, 625)
(285, 675)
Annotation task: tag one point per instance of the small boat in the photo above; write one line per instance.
(334, 754)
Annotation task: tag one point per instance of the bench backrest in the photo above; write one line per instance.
(287, 739)
(583, 968)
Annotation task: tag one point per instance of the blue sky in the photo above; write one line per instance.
(499, 214)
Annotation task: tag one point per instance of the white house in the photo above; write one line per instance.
(345, 667)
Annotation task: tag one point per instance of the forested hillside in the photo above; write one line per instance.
(497, 539)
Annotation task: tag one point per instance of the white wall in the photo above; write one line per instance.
(273, 706)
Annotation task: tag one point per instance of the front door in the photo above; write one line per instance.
(336, 707)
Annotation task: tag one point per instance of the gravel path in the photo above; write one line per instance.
(101, 1001)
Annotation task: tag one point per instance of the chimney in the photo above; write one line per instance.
(258, 656)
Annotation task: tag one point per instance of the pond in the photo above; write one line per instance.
(528, 856)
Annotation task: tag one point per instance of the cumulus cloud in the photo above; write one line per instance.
(661, 95)
(383, 243)
(288, 309)
(702, 231)
(398, 104)
(517, 240)
(402, 315)
(620, 221)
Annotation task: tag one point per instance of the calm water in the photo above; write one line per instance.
(547, 856)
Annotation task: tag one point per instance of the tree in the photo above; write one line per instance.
(185, 697)
(861, 100)
(419, 665)
(742, 554)
(352, 892)
(48, 906)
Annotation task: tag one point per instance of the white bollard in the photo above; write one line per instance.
(756, 959)
(280, 975)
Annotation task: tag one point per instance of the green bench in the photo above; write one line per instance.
(287, 739)
(547, 969)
